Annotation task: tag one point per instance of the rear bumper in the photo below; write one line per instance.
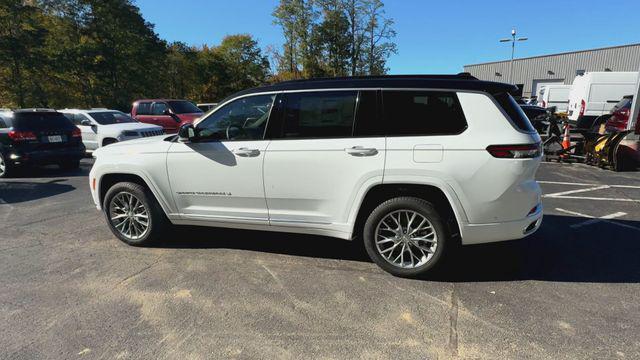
(46, 156)
(503, 231)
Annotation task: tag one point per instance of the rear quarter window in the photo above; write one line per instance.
(418, 113)
(514, 112)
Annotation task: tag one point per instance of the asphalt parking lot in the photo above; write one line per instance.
(71, 290)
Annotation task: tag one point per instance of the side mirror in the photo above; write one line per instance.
(167, 111)
(85, 123)
(187, 132)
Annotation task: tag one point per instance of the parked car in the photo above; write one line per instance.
(38, 137)
(101, 127)
(555, 95)
(620, 114)
(412, 164)
(170, 114)
(594, 94)
(205, 107)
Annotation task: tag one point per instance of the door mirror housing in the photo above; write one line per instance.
(187, 132)
(167, 111)
(86, 122)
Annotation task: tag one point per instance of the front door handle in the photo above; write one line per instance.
(361, 151)
(246, 152)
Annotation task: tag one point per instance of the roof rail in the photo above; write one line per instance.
(36, 110)
(459, 76)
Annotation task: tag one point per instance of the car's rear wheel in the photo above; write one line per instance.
(405, 236)
(133, 214)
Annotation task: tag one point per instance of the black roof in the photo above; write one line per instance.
(462, 81)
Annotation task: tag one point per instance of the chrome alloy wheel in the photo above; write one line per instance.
(129, 215)
(3, 166)
(406, 239)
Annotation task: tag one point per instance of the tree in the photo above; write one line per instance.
(333, 38)
(379, 31)
(22, 37)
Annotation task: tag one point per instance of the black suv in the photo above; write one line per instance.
(39, 137)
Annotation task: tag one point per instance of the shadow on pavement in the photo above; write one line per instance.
(264, 241)
(600, 252)
(606, 252)
(14, 192)
(52, 171)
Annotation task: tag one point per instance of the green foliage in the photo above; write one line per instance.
(96, 53)
(333, 38)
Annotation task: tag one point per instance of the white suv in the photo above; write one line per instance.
(413, 165)
(101, 127)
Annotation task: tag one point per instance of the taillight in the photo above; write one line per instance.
(624, 114)
(638, 125)
(583, 107)
(76, 133)
(544, 104)
(527, 151)
(22, 135)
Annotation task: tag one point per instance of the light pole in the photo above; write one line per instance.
(513, 50)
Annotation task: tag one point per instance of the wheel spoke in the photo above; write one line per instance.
(390, 249)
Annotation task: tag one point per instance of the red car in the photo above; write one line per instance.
(620, 115)
(170, 114)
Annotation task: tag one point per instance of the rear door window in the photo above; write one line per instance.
(514, 111)
(422, 113)
(323, 114)
(158, 108)
(144, 108)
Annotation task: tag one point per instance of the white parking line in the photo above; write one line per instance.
(594, 220)
(577, 191)
(591, 198)
(584, 184)
(592, 187)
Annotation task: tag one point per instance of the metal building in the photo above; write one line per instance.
(532, 72)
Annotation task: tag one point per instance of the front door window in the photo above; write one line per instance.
(242, 119)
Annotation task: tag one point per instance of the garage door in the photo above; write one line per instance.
(538, 83)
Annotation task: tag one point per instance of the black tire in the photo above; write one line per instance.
(70, 165)
(109, 141)
(423, 208)
(157, 221)
(6, 168)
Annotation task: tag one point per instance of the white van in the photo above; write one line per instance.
(555, 95)
(595, 93)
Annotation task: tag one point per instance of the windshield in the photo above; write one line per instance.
(111, 117)
(183, 107)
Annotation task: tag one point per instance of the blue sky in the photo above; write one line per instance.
(433, 36)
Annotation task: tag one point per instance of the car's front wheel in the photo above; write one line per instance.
(133, 214)
(405, 236)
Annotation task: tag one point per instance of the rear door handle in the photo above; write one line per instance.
(361, 151)
(246, 152)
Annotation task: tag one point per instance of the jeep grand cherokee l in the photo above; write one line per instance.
(410, 164)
